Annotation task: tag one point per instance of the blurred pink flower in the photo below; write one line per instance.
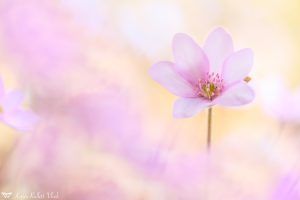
(287, 189)
(205, 77)
(280, 101)
(96, 115)
(185, 175)
(40, 38)
(53, 151)
(11, 112)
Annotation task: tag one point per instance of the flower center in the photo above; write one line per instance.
(1, 110)
(210, 86)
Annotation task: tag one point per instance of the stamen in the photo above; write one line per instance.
(247, 79)
(210, 86)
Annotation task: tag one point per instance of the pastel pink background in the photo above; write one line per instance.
(106, 129)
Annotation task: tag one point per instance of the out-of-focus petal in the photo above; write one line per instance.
(188, 107)
(190, 60)
(21, 120)
(43, 41)
(1, 88)
(218, 46)
(236, 95)
(12, 100)
(295, 103)
(287, 189)
(278, 100)
(237, 66)
(164, 73)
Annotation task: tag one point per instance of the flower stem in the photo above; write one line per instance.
(209, 128)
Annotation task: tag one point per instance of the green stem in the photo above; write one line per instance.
(209, 119)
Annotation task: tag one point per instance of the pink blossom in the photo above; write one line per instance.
(11, 112)
(279, 101)
(204, 77)
(96, 114)
(39, 38)
(287, 188)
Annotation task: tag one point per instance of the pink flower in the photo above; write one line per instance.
(279, 101)
(11, 112)
(205, 77)
(40, 39)
(287, 188)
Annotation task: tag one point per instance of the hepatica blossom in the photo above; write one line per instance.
(11, 112)
(204, 77)
(280, 101)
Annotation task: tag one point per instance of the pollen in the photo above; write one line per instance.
(247, 79)
(211, 86)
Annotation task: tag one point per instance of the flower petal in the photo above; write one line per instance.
(237, 66)
(218, 46)
(12, 100)
(188, 107)
(21, 120)
(190, 60)
(164, 73)
(1, 88)
(237, 95)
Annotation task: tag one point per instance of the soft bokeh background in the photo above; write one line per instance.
(106, 129)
